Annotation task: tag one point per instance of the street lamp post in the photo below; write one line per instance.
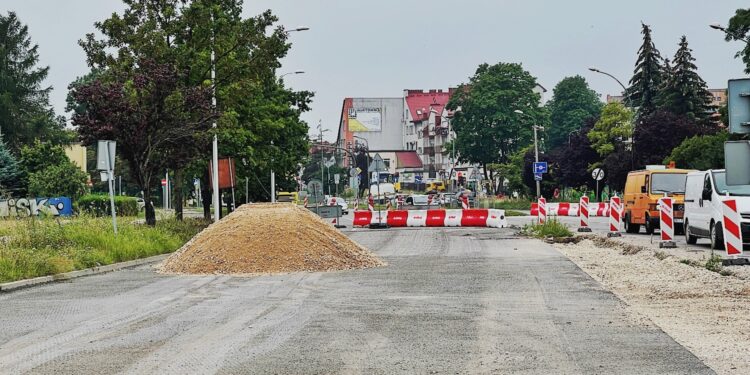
(536, 149)
(215, 145)
(632, 138)
(294, 72)
(717, 26)
(595, 70)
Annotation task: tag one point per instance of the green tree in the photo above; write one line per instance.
(572, 103)
(647, 76)
(64, 179)
(40, 155)
(700, 152)
(487, 128)
(573, 161)
(685, 92)
(25, 113)
(259, 118)
(10, 170)
(513, 171)
(738, 29)
(614, 126)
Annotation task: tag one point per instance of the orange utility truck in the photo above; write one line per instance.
(642, 192)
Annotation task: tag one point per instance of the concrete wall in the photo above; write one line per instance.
(390, 136)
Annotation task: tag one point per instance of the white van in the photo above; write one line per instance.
(703, 209)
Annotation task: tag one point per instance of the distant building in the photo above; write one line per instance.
(615, 98)
(718, 97)
(77, 154)
(410, 133)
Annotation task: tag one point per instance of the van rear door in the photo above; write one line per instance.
(697, 211)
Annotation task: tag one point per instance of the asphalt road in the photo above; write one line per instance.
(451, 301)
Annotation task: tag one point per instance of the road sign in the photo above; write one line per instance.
(537, 176)
(336, 178)
(327, 212)
(377, 164)
(418, 178)
(353, 172)
(540, 167)
(163, 182)
(738, 104)
(315, 188)
(737, 160)
(330, 162)
(597, 174)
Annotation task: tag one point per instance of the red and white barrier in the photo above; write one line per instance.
(732, 232)
(666, 223)
(542, 214)
(434, 218)
(305, 202)
(583, 214)
(571, 209)
(465, 202)
(615, 219)
(370, 203)
(399, 202)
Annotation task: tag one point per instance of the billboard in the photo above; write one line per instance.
(365, 119)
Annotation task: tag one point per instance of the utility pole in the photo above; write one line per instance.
(536, 159)
(273, 179)
(215, 157)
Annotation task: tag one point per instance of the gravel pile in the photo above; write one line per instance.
(704, 311)
(269, 238)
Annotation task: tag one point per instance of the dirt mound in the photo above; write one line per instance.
(269, 238)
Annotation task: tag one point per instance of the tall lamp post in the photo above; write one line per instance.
(273, 174)
(595, 70)
(536, 149)
(717, 26)
(632, 139)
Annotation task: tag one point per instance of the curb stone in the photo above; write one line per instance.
(14, 285)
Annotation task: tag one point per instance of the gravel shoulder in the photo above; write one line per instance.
(706, 312)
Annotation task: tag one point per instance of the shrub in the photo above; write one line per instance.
(550, 228)
(99, 205)
(64, 179)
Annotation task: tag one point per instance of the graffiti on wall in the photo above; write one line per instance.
(23, 207)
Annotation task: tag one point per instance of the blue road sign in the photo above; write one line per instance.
(537, 176)
(540, 167)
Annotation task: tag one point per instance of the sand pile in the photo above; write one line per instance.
(269, 238)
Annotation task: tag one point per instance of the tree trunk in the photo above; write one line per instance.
(150, 213)
(177, 194)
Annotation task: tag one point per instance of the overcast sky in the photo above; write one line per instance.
(358, 48)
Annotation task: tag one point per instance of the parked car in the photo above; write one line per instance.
(339, 202)
(703, 207)
(381, 192)
(641, 198)
(417, 200)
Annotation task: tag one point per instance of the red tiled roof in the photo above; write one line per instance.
(417, 100)
(408, 159)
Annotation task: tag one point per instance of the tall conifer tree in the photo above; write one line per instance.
(647, 76)
(685, 92)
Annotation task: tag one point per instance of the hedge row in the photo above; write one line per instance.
(99, 205)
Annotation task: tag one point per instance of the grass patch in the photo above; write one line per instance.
(514, 213)
(507, 205)
(661, 255)
(714, 263)
(551, 228)
(48, 246)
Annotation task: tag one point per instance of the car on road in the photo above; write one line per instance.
(339, 202)
(641, 198)
(704, 191)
